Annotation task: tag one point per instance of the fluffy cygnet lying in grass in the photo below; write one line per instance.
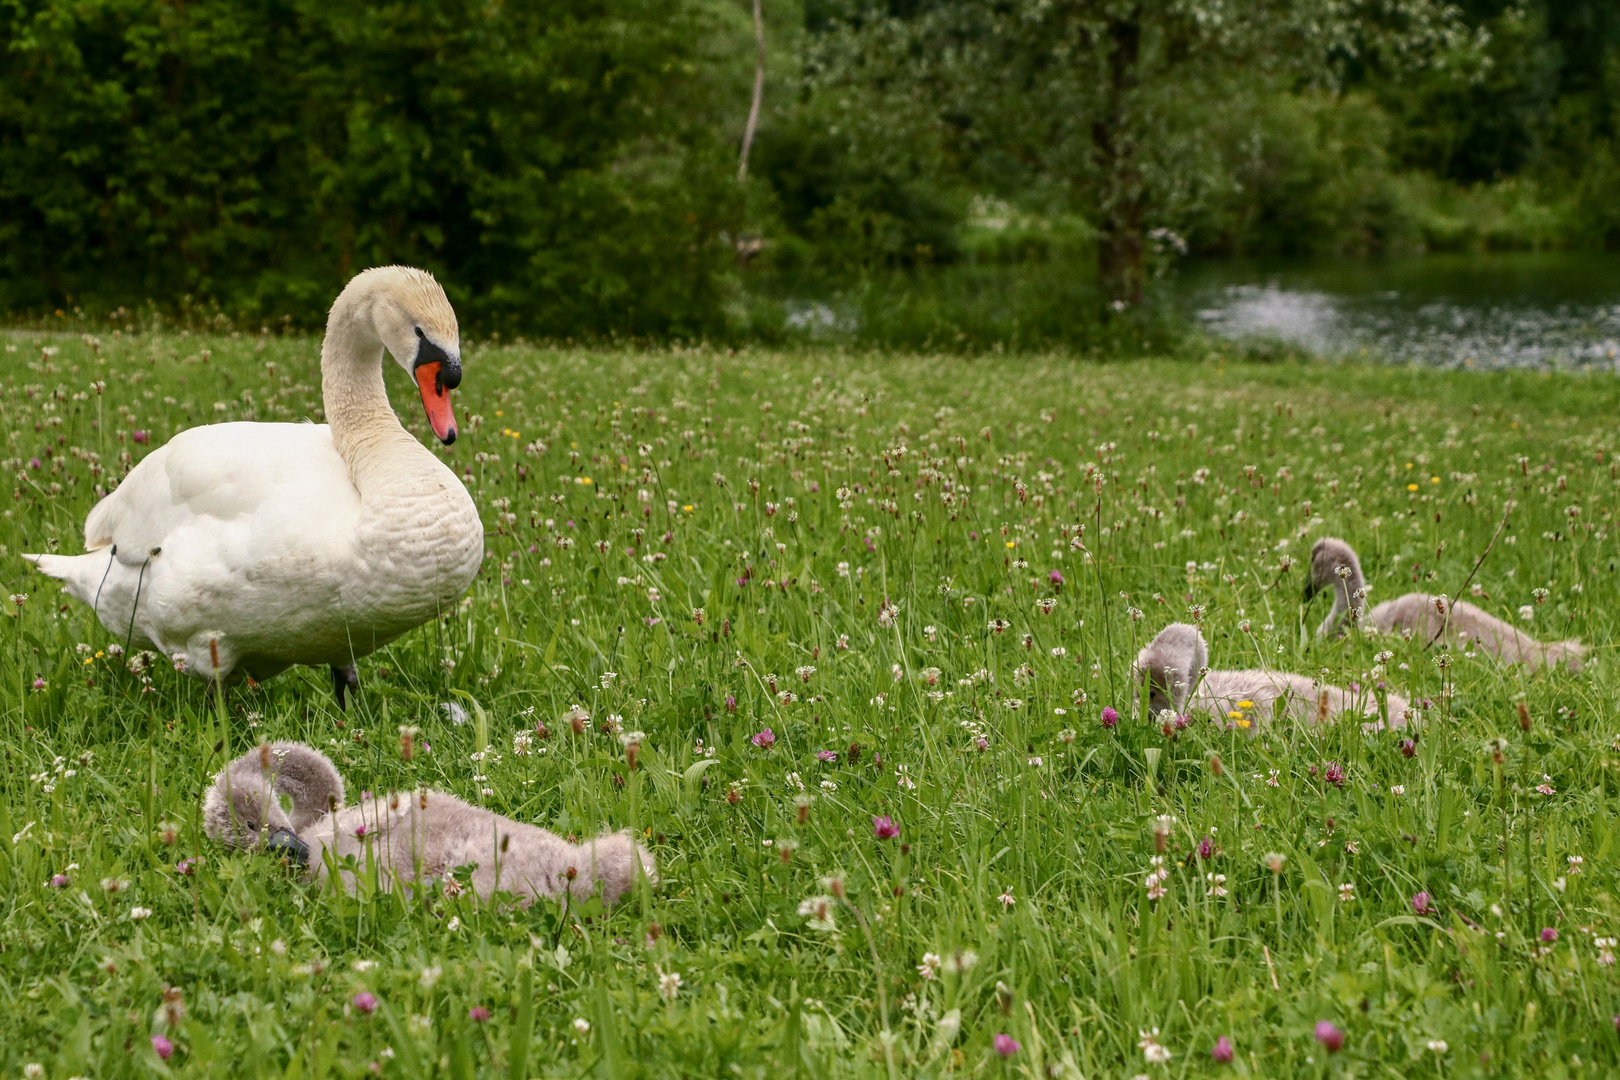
(411, 836)
(1334, 566)
(1174, 664)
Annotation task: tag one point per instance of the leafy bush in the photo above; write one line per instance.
(553, 160)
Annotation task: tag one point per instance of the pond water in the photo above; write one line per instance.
(1535, 310)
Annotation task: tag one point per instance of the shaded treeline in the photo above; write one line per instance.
(570, 166)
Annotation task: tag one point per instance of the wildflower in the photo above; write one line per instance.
(804, 672)
(582, 1025)
(1549, 935)
(1545, 787)
(1422, 903)
(1347, 892)
(1005, 1044)
(1206, 847)
(818, 910)
(1575, 862)
(33, 1070)
(1154, 1052)
(1217, 884)
(1273, 861)
(1272, 780)
(114, 885)
(669, 984)
(1223, 1052)
(884, 828)
(429, 976)
(162, 1047)
(1329, 1036)
(1045, 605)
(1438, 1046)
(930, 965)
(138, 914)
(1334, 774)
(1397, 789)
(365, 1002)
(577, 717)
(961, 961)
(1006, 898)
(478, 1014)
(765, 739)
(1110, 718)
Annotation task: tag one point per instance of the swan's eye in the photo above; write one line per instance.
(419, 332)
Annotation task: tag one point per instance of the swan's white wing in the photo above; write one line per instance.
(220, 474)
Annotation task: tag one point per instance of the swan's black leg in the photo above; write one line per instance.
(344, 679)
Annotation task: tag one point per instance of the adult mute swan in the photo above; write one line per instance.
(1175, 665)
(247, 548)
(413, 836)
(1334, 565)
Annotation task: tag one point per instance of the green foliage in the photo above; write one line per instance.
(781, 501)
(556, 161)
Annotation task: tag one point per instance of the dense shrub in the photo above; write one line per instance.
(555, 161)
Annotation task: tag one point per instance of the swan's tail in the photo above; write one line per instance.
(1570, 655)
(613, 860)
(81, 574)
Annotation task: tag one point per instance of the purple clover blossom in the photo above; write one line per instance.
(365, 1002)
(1334, 774)
(884, 828)
(162, 1047)
(1329, 1036)
(1223, 1052)
(828, 756)
(1005, 1044)
(765, 739)
(1109, 717)
(1422, 903)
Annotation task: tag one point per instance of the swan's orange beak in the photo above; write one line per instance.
(436, 400)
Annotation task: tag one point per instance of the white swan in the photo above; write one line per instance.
(1334, 565)
(247, 548)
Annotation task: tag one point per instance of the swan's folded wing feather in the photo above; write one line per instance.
(222, 471)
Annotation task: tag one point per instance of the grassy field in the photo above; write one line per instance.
(847, 552)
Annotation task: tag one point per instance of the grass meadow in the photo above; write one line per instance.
(812, 589)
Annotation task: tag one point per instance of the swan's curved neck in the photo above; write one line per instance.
(1349, 595)
(365, 430)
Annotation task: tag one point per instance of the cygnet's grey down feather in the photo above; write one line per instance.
(1174, 666)
(410, 836)
(1334, 565)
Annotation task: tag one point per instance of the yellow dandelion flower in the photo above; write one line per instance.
(1245, 704)
(1012, 543)
(582, 480)
(1411, 487)
(1434, 479)
(1245, 723)
(1234, 714)
(687, 508)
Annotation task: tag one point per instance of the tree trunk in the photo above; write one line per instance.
(1120, 265)
(759, 92)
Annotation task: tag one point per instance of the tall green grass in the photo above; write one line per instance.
(797, 501)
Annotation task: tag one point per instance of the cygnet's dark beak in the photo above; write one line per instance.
(285, 843)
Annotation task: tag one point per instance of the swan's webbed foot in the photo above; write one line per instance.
(344, 680)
